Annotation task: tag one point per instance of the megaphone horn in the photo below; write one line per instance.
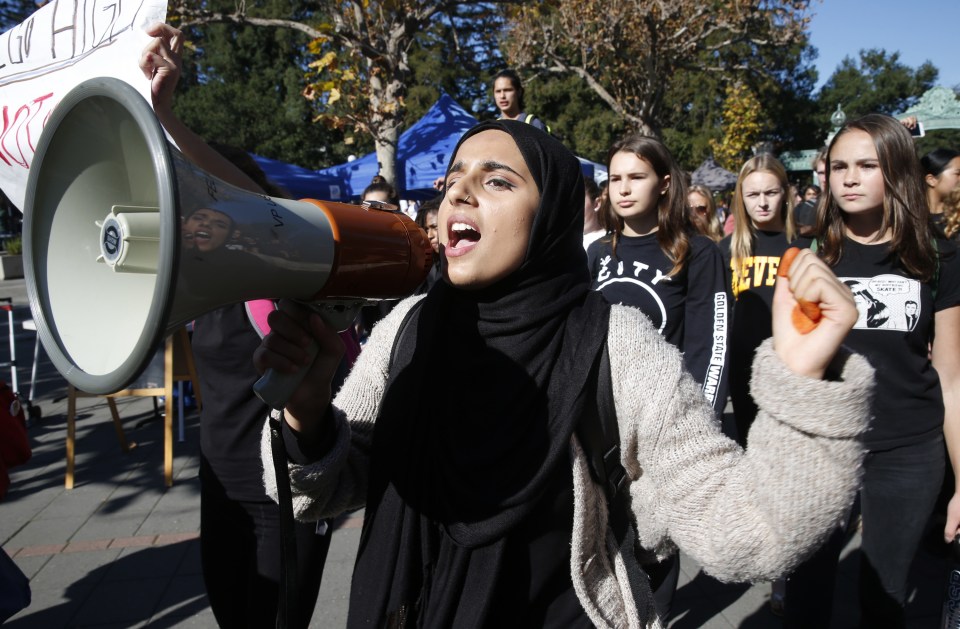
(125, 240)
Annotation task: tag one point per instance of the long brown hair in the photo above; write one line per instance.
(673, 223)
(741, 242)
(905, 211)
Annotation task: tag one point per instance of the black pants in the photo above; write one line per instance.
(664, 577)
(240, 556)
(900, 487)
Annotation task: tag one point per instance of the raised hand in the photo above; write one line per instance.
(160, 62)
(804, 285)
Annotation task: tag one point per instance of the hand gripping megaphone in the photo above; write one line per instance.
(125, 241)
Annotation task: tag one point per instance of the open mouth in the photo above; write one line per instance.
(462, 234)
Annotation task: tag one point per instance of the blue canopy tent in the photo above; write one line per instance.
(598, 172)
(302, 183)
(422, 153)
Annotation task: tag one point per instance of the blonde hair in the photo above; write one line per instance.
(708, 225)
(951, 213)
(741, 241)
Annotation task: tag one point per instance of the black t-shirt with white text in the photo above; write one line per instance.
(893, 331)
(689, 310)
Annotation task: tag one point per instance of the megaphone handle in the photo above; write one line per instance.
(274, 388)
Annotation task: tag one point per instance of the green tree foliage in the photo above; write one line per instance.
(242, 85)
(785, 90)
(692, 113)
(938, 138)
(877, 82)
(743, 127)
(575, 114)
(782, 78)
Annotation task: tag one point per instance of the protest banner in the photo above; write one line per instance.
(61, 45)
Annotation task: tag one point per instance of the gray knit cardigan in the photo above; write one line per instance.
(743, 515)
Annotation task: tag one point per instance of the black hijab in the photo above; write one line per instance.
(481, 401)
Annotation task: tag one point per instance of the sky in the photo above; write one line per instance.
(921, 30)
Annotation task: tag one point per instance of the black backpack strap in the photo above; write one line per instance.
(402, 330)
(289, 604)
(600, 437)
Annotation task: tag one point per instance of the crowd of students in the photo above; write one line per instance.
(459, 426)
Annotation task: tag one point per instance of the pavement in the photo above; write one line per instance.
(121, 550)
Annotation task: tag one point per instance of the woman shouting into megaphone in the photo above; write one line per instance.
(459, 427)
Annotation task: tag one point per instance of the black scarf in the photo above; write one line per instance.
(482, 399)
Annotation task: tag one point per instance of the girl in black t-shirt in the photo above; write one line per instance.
(654, 260)
(763, 229)
(874, 232)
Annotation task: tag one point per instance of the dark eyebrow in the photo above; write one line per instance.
(487, 165)
(865, 160)
(492, 165)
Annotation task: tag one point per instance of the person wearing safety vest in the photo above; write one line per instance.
(508, 96)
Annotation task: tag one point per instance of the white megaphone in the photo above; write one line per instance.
(125, 241)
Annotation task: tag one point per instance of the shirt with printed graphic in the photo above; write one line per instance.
(893, 330)
(689, 309)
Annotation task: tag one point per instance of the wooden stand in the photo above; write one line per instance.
(177, 366)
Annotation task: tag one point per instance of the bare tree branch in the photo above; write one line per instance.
(629, 51)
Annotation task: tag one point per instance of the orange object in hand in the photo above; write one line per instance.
(806, 314)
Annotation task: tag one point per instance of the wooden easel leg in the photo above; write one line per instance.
(168, 415)
(71, 434)
(171, 373)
